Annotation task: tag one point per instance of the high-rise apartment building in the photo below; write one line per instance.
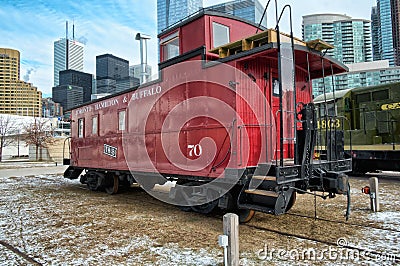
(361, 75)
(16, 97)
(171, 11)
(352, 41)
(68, 54)
(350, 37)
(251, 10)
(320, 26)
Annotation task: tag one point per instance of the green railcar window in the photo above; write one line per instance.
(380, 95)
(365, 97)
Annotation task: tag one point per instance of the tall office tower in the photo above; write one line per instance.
(68, 96)
(68, 54)
(80, 79)
(110, 72)
(375, 33)
(350, 37)
(251, 10)
(16, 97)
(172, 11)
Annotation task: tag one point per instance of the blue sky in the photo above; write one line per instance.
(107, 26)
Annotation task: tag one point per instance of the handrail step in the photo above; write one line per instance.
(264, 178)
(259, 192)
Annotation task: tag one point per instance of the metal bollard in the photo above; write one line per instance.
(373, 191)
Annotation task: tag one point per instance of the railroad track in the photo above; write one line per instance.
(19, 253)
(344, 222)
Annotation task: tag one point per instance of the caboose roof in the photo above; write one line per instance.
(201, 13)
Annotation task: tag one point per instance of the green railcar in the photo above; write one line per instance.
(370, 118)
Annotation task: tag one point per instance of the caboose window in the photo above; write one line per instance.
(95, 125)
(220, 34)
(80, 127)
(121, 120)
(170, 46)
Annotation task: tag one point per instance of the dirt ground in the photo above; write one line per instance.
(56, 221)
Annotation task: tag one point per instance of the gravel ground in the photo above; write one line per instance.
(59, 222)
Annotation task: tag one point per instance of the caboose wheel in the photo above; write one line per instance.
(245, 215)
(190, 196)
(112, 188)
(205, 208)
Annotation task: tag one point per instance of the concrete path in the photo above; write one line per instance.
(33, 171)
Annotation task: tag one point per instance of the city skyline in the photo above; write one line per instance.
(110, 27)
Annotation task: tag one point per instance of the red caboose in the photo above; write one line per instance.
(230, 119)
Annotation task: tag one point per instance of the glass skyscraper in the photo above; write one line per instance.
(375, 33)
(68, 54)
(385, 32)
(251, 10)
(171, 11)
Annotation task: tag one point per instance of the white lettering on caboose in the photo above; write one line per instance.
(143, 93)
(83, 110)
(105, 104)
(110, 151)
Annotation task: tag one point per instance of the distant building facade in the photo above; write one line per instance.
(251, 10)
(136, 70)
(112, 74)
(68, 54)
(68, 96)
(360, 75)
(80, 79)
(50, 108)
(16, 96)
(171, 11)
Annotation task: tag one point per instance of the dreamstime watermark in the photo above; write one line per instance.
(343, 252)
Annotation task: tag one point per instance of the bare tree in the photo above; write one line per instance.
(40, 134)
(7, 128)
